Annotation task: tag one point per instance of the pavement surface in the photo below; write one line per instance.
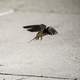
(56, 56)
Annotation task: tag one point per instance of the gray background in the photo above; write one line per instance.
(58, 6)
(57, 55)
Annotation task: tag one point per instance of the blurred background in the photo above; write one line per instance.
(57, 55)
(51, 6)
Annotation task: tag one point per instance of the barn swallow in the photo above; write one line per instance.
(41, 29)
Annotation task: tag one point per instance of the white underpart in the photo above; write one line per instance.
(7, 12)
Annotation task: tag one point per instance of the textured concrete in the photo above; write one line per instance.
(57, 55)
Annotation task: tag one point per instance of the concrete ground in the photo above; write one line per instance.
(56, 56)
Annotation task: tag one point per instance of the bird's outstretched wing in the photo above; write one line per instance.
(51, 31)
(35, 28)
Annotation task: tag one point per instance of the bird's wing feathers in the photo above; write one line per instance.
(52, 31)
(35, 28)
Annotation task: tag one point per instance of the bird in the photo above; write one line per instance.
(41, 29)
